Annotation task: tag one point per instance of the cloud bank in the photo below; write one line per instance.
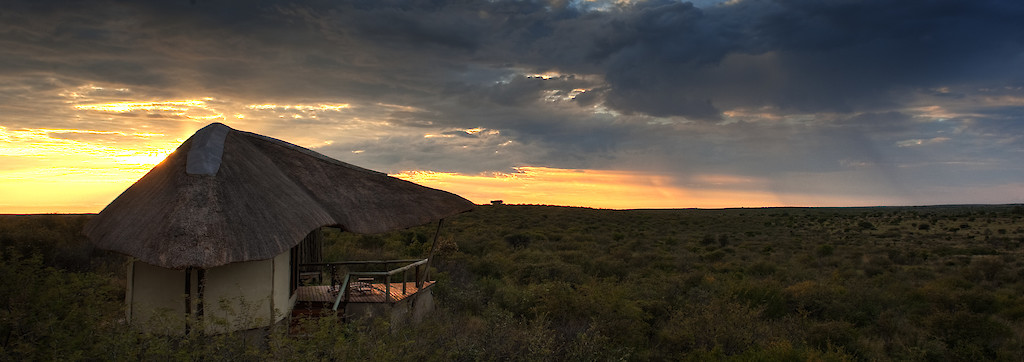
(910, 102)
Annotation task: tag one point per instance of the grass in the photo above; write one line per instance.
(539, 282)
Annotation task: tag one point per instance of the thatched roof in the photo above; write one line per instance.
(227, 196)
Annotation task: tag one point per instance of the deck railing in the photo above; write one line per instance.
(418, 266)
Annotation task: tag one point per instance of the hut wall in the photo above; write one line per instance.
(283, 300)
(156, 297)
(247, 295)
(238, 296)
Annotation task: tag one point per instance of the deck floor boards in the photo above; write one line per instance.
(372, 293)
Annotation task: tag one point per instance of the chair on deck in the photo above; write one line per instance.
(363, 286)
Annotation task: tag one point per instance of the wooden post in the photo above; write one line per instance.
(334, 275)
(344, 285)
(405, 276)
(387, 288)
(343, 294)
(419, 283)
(433, 248)
(200, 289)
(188, 299)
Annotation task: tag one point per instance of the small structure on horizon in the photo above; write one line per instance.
(222, 225)
(497, 202)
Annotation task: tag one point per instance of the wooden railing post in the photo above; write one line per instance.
(342, 294)
(188, 300)
(419, 282)
(333, 270)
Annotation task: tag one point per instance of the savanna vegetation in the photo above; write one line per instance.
(555, 283)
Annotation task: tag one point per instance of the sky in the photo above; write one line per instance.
(607, 104)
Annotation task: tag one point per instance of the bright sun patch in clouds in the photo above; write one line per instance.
(300, 107)
(48, 143)
(48, 170)
(121, 107)
(196, 110)
(298, 111)
(63, 169)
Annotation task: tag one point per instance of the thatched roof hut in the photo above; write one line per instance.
(227, 196)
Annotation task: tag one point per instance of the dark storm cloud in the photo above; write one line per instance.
(659, 58)
(875, 123)
(754, 87)
(518, 90)
(825, 56)
(667, 58)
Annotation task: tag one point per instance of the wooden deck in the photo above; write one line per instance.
(367, 293)
(315, 293)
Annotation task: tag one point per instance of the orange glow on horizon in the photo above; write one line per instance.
(45, 172)
(588, 188)
(64, 170)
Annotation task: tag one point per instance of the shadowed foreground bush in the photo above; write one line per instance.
(551, 283)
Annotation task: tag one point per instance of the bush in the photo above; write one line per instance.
(550, 283)
(727, 327)
(517, 241)
(50, 314)
(825, 250)
(970, 336)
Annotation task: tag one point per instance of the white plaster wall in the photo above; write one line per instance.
(238, 296)
(282, 294)
(156, 297)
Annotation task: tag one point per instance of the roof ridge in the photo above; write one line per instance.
(204, 156)
(308, 152)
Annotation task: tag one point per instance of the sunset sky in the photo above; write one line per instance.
(609, 104)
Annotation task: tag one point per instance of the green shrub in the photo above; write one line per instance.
(550, 283)
(969, 336)
(825, 250)
(50, 314)
(517, 241)
(722, 326)
(831, 334)
(985, 267)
